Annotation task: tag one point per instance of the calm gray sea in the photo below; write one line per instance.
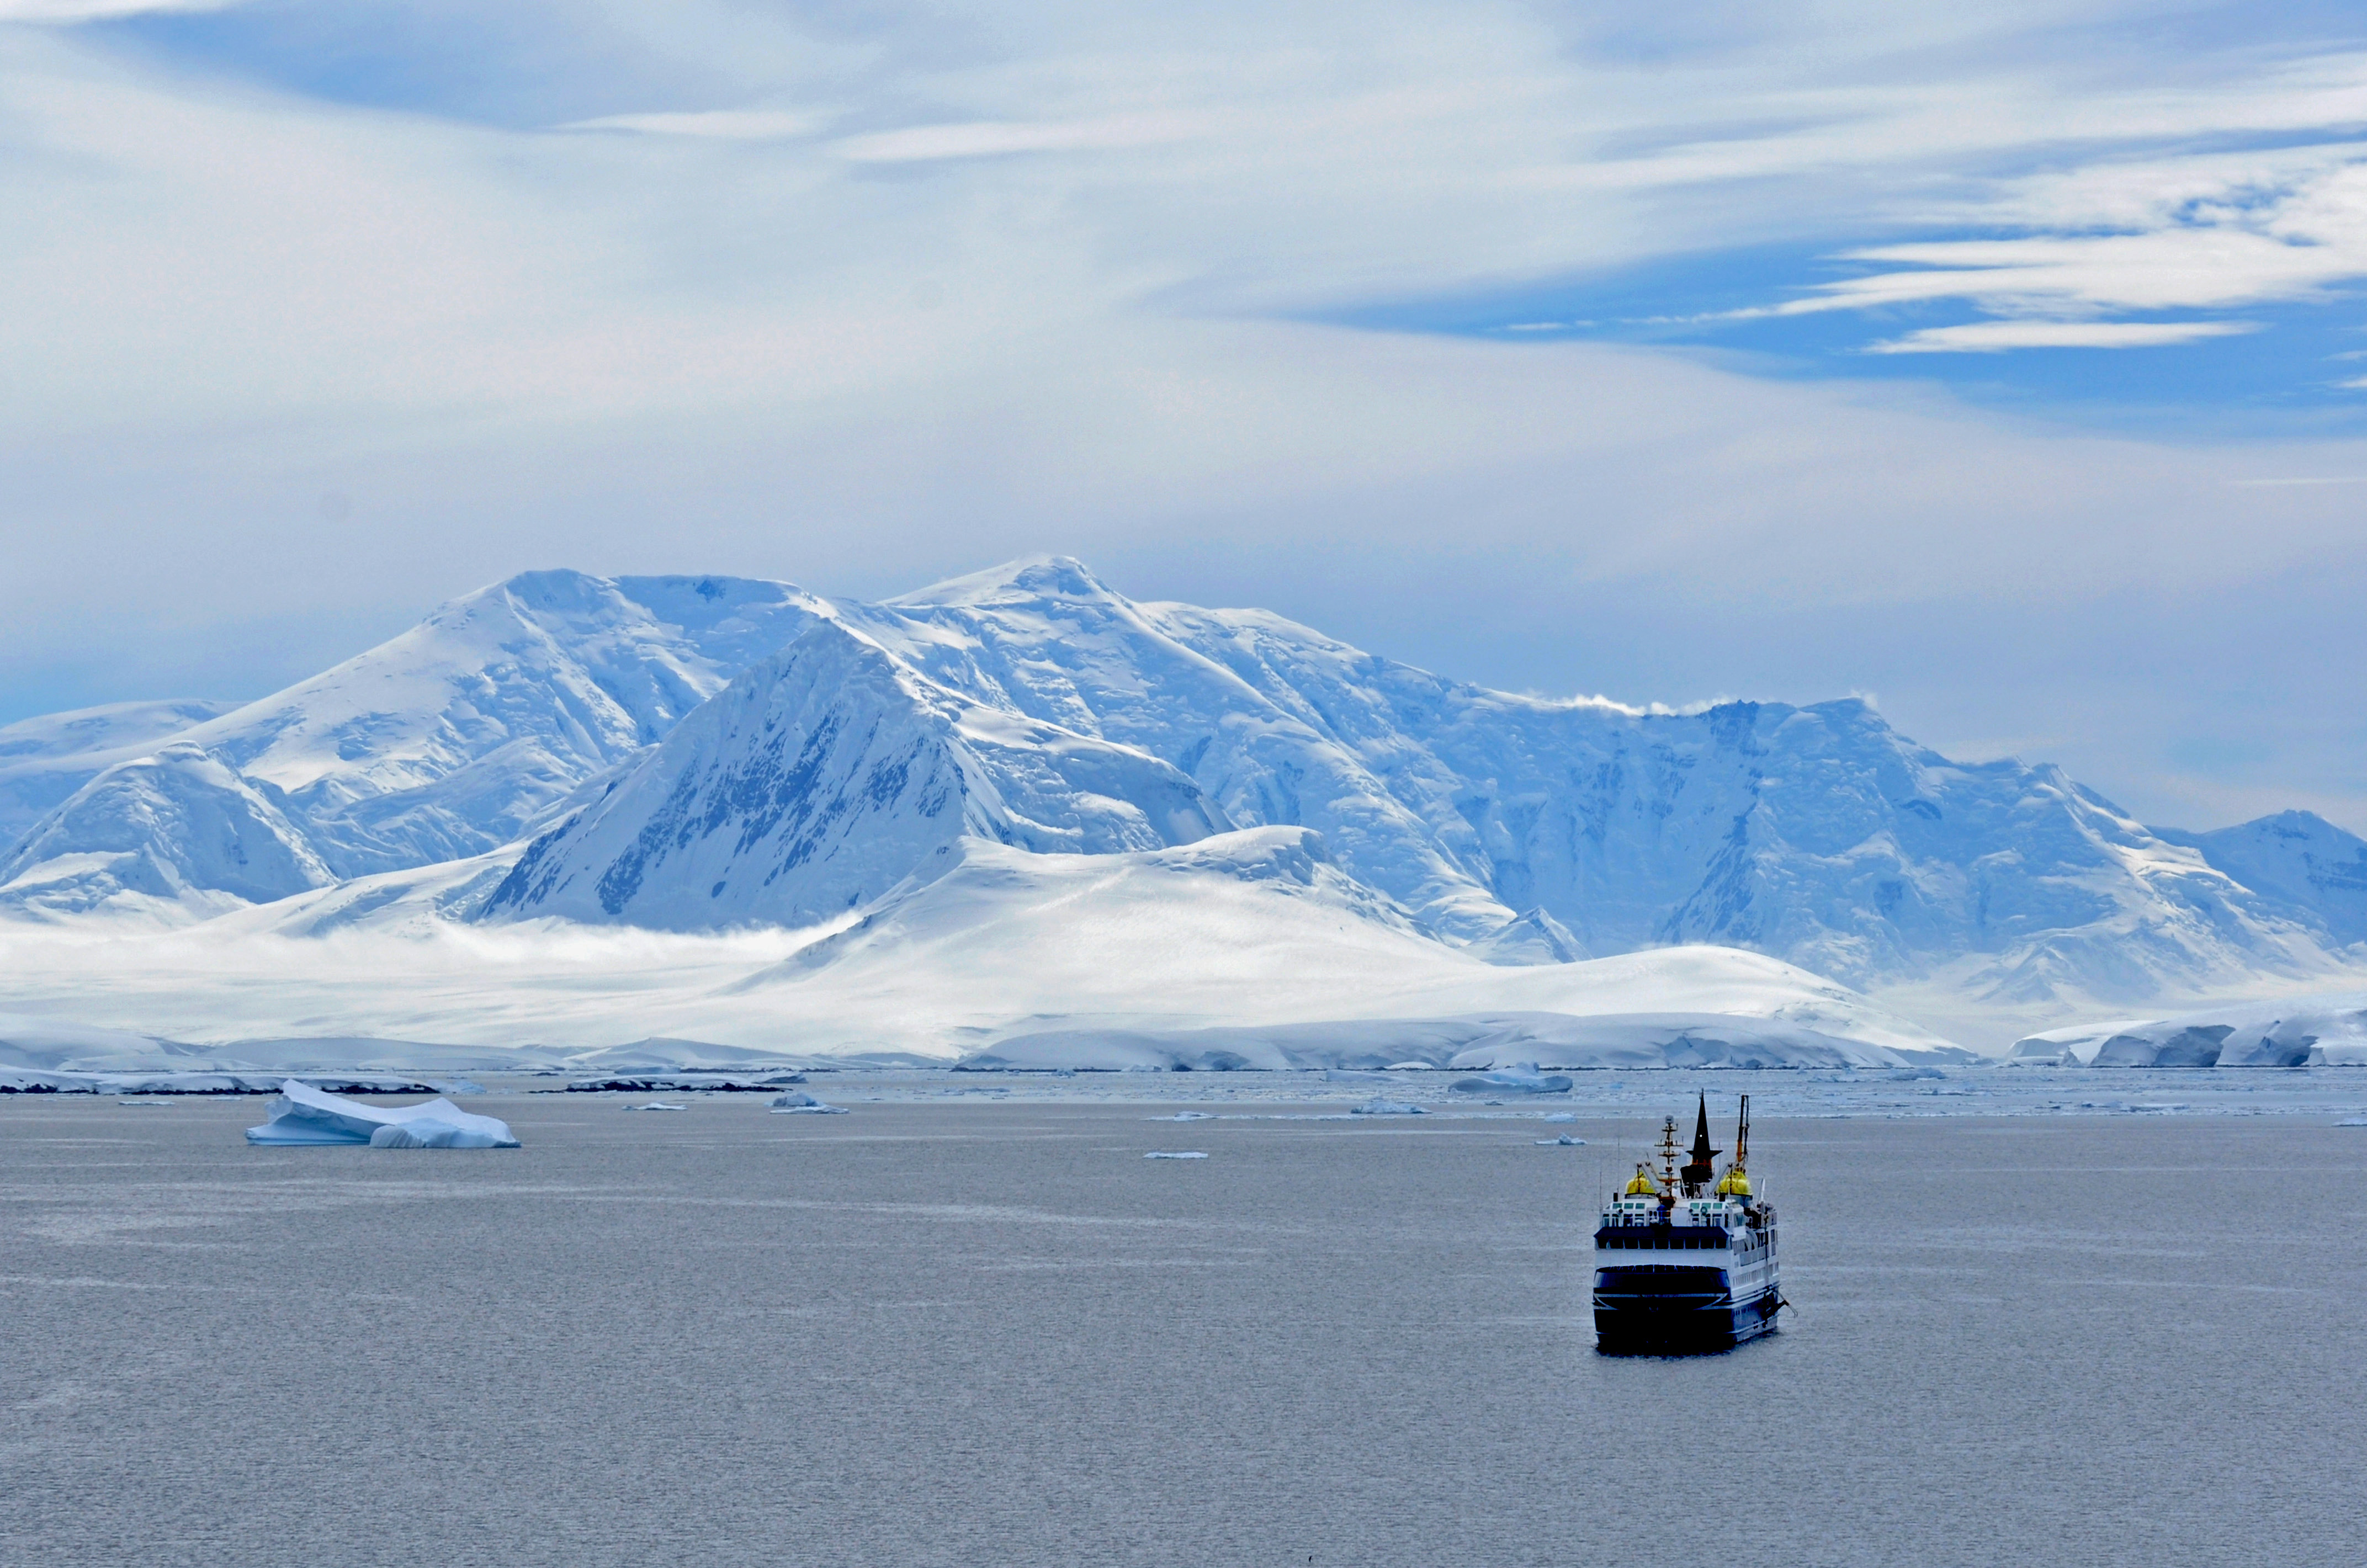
(980, 1333)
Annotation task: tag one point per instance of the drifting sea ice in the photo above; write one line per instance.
(1176, 1153)
(1386, 1108)
(1564, 1142)
(1185, 1116)
(1514, 1080)
(303, 1115)
(657, 1105)
(793, 1103)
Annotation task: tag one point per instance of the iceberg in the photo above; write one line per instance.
(791, 1100)
(305, 1116)
(1514, 1081)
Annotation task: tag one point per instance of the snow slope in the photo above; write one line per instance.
(176, 835)
(43, 761)
(691, 753)
(1248, 928)
(2295, 856)
(824, 777)
(454, 737)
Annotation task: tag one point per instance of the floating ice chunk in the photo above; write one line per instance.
(434, 1132)
(657, 1105)
(1514, 1080)
(303, 1115)
(1564, 1142)
(1561, 1116)
(2352, 1122)
(144, 1105)
(1175, 1153)
(1185, 1116)
(791, 1100)
(1386, 1108)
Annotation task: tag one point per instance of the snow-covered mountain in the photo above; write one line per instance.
(180, 832)
(1816, 834)
(45, 760)
(705, 753)
(825, 776)
(2300, 859)
(445, 742)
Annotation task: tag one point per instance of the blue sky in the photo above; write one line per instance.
(1995, 361)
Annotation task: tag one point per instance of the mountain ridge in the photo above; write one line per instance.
(557, 718)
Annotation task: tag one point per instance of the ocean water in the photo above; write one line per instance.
(978, 1334)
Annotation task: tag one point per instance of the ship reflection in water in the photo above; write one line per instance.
(1685, 1261)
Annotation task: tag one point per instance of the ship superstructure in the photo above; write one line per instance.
(1685, 1261)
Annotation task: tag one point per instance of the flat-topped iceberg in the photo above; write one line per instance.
(1514, 1080)
(303, 1115)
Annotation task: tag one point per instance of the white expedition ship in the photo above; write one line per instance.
(1686, 1260)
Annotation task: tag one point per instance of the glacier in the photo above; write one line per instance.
(1020, 775)
(2296, 1032)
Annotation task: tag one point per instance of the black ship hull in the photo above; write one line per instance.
(1660, 1315)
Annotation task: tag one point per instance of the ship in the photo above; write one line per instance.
(1684, 1261)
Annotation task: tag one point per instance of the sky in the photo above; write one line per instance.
(2006, 364)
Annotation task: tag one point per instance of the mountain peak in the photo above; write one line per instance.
(1028, 577)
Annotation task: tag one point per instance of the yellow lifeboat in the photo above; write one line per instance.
(1641, 1187)
(1734, 1184)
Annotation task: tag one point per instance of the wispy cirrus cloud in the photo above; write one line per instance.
(718, 125)
(67, 12)
(870, 294)
(989, 139)
(1996, 337)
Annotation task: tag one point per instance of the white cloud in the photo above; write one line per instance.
(2131, 234)
(66, 12)
(1993, 337)
(986, 139)
(872, 359)
(724, 125)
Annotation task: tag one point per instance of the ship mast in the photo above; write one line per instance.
(1699, 1171)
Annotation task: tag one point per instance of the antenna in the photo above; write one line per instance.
(1742, 1136)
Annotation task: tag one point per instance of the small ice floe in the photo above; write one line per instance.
(657, 1105)
(792, 1101)
(1176, 1153)
(1185, 1116)
(1560, 1116)
(1386, 1108)
(146, 1104)
(1514, 1080)
(303, 1115)
(1564, 1142)
(2352, 1122)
